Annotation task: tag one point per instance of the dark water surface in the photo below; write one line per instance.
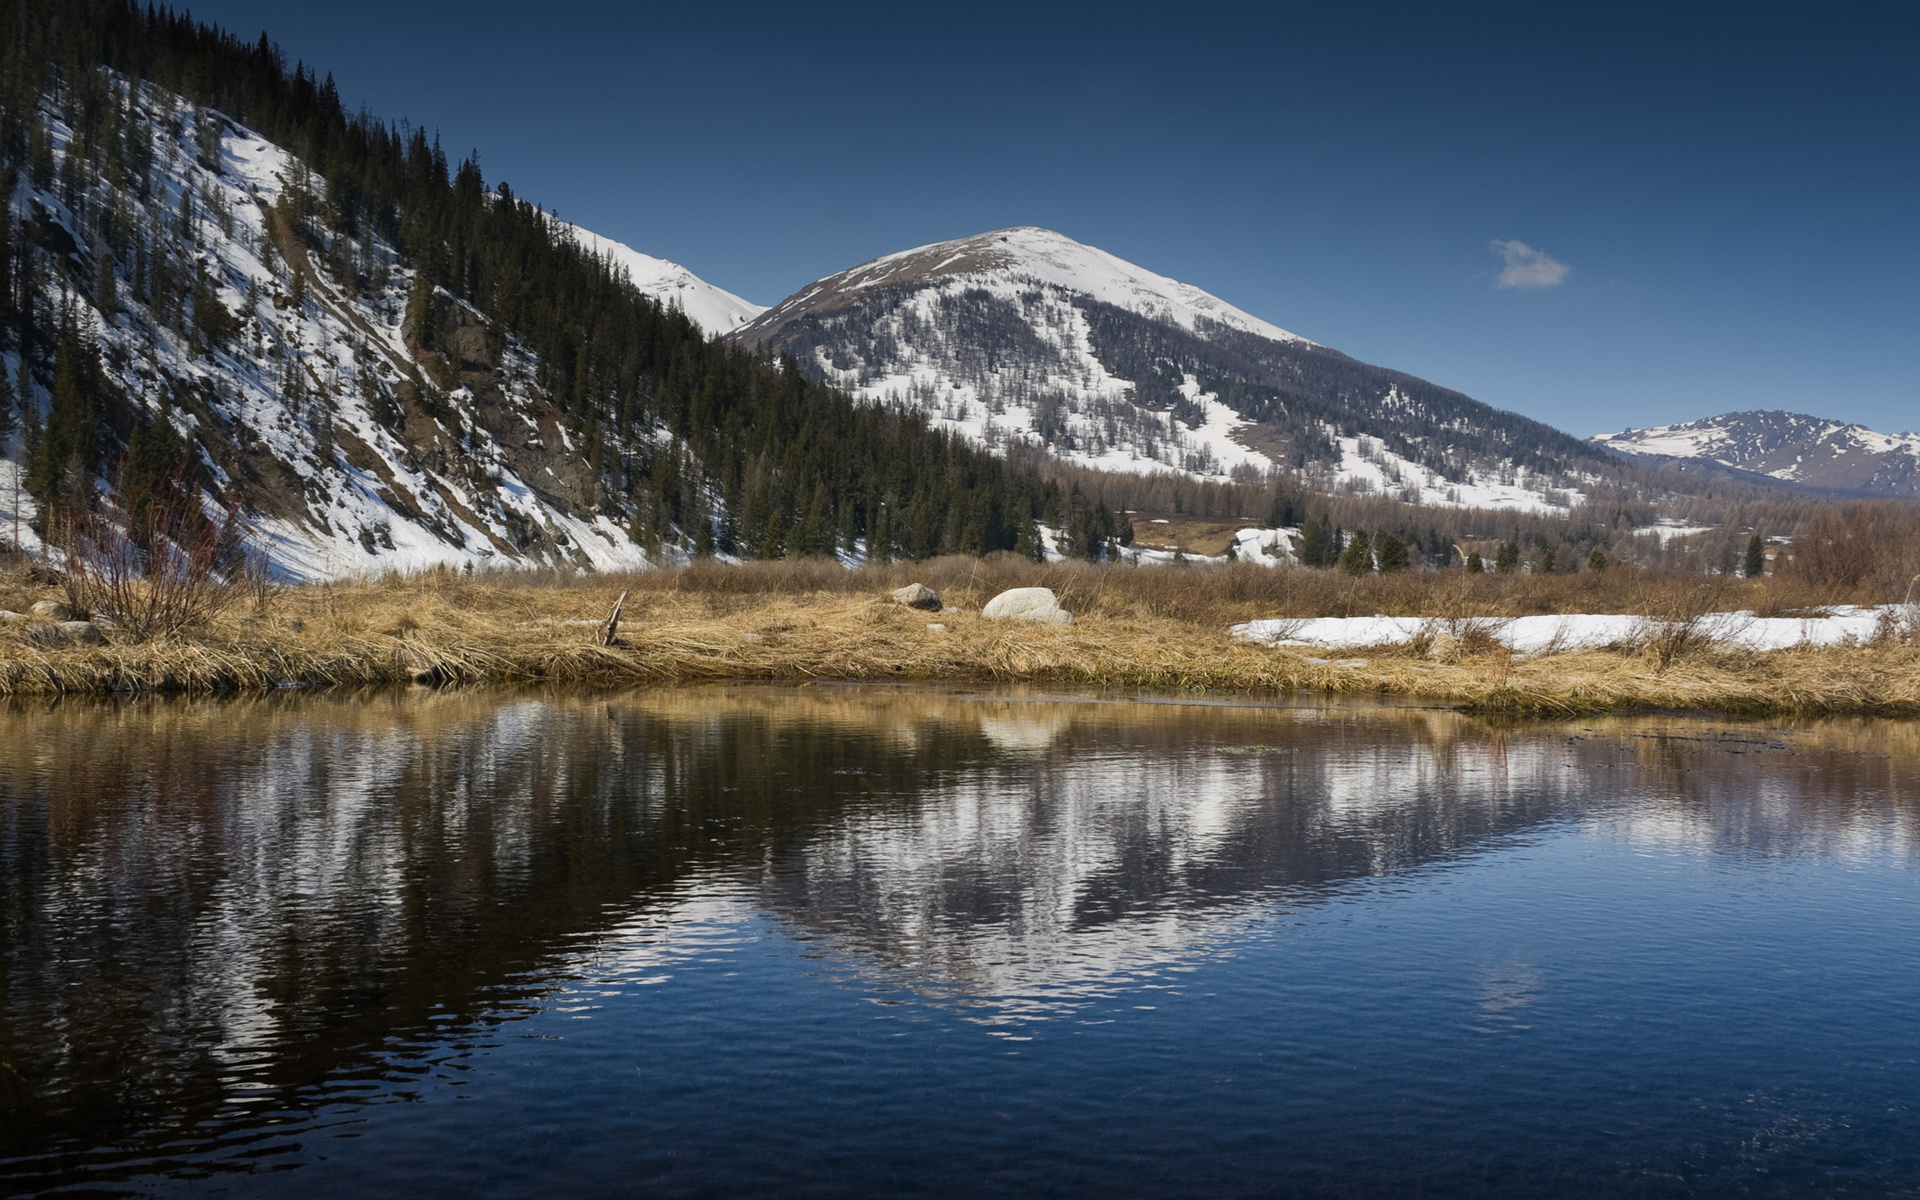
(854, 941)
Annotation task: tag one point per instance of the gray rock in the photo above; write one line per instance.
(81, 633)
(918, 595)
(10, 617)
(1035, 604)
(51, 610)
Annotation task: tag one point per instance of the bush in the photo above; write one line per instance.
(177, 572)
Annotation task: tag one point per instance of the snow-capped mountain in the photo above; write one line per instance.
(1026, 337)
(1811, 452)
(714, 309)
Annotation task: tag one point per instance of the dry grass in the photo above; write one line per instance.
(798, 621)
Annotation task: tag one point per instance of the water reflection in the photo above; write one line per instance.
(220, 919)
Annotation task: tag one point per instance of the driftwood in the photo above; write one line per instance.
(613, 621)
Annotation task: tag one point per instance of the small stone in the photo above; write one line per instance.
(103, 621)
(1036, 604)
(51, 610)
(918, 595)
(81, 633)
(936, 627)
(10, 617)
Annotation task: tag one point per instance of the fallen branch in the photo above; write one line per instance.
(613, 621)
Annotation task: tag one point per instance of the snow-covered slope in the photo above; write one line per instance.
(278, 348)
(1792, 447)
(1038, 256)
(715, 310)
(1027, 337)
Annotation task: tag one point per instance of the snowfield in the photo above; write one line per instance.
(1580, 631)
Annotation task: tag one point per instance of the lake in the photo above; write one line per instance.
(838, 941)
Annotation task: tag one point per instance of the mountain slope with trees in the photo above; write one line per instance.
(220, 282)
(1026, 338)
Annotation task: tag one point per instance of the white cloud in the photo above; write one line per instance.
(1527, 267)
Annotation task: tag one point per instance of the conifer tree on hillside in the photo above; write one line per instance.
(1317, 547)
(1756, 560)
(1392, 553)
(1357, 558)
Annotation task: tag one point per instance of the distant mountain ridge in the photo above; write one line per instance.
(1793, 448)
(1024, 336)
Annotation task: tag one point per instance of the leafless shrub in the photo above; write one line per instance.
(175, 574)
(256, 577)
(1676, 621)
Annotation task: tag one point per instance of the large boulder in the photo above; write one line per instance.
(1035, 604)
(51, 610)
(917, 595)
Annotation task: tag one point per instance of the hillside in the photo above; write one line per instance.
(1026, 337)
(1792, 448)
(363, 356)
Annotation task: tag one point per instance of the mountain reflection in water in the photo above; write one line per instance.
(228, 928)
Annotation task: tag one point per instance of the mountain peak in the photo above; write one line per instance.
(1024, 337)
(1024, 253)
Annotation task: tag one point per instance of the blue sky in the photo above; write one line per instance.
(1725, 196)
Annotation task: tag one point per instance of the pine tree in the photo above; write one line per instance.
(1756, 562)
(879, 539)
(1597, 561)
(1357, 558)
(1475, 564)
(9, 410)
(1507, 561)
(1316, 544)
(106, 296)
(815, 535)
(7, 183)
(1393, 554)
(66, 449)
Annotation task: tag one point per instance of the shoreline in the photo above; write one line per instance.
(465, 635)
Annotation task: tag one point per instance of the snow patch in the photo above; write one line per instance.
(1537, 635)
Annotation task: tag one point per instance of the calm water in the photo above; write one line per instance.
(842, 941)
